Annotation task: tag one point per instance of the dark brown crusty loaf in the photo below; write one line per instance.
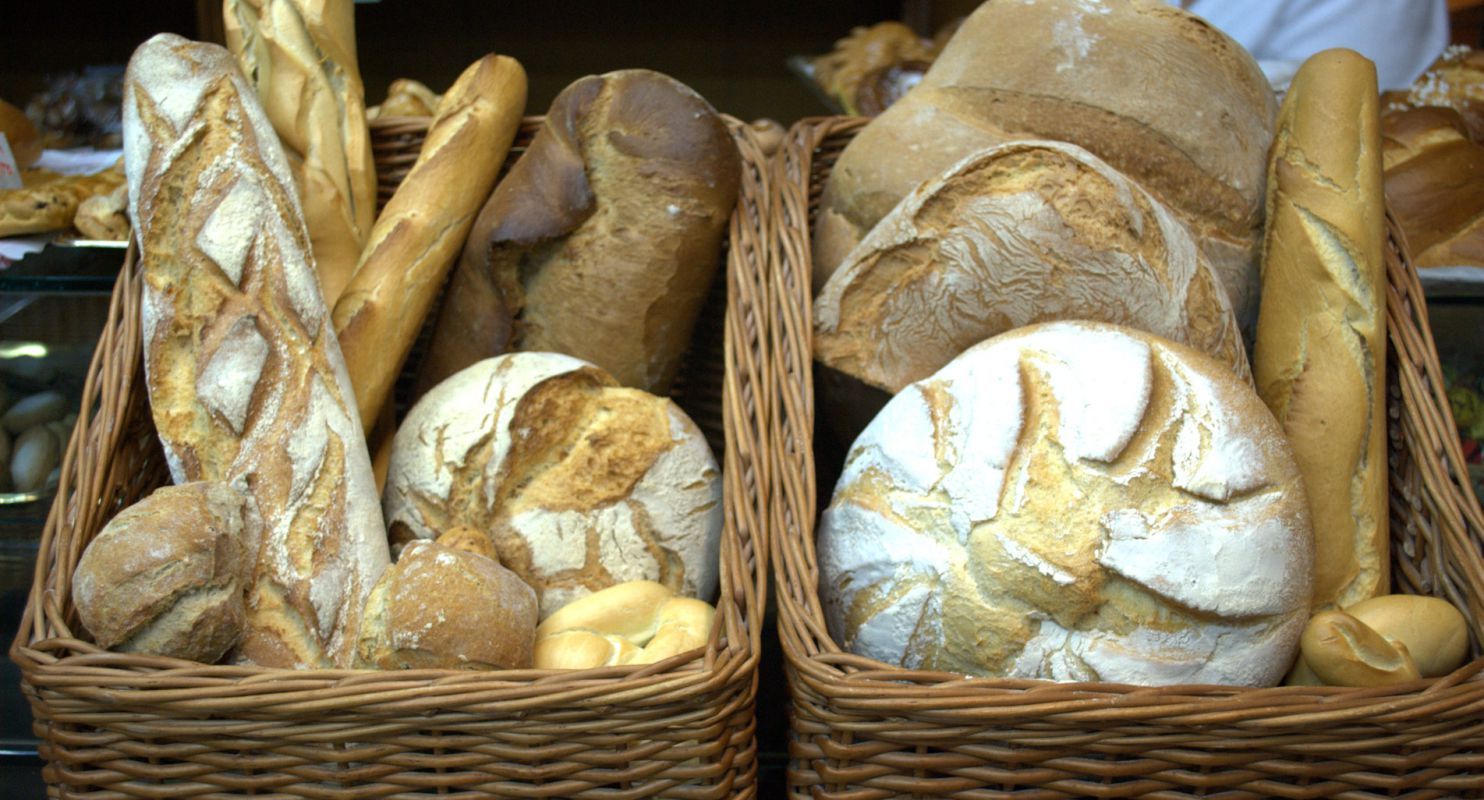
(245, 377)
(602, 241)
(1435, 185)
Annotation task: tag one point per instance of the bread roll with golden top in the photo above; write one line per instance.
(167, 575)
(580, 483)
(1320, 357)
(1159, 94)
(1455, 80)
(406, 97)
(301, 57)
(21, 134)
(1014, 235)
(638, 622)
(1072, 501)
(447, 605)
(1343, 651)
(1435, 633)
(1435, 185)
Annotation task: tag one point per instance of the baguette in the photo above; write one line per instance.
(246, 382)
(301, 56)
(1320, 358)
(423, 227)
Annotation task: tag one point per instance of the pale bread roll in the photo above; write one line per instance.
(166, 576)
(448, 605)
(639, 622)
(1341, 650)
(580, 483)
(1435, 633)
(301, 57)
(244, 375)
(1072, 501)
(1018, 234)
(1156, 92)
(1320, 356)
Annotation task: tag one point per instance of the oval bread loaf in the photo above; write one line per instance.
(1073, 501)
(1343, 651)
(638, 622)
(580, 483)
(1433, 631)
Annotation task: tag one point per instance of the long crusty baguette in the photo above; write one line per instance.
(1320, 360)
(301, 56)
(245, 379)
(422, 229)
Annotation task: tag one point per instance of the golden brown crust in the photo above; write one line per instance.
(1435, 185)
(49, 202)
(25, 141)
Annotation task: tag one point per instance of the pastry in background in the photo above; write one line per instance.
(20, 134)
(104, 216)
(603, 239)
(873, 66)
(1072, 501)
(1172, 103)
(638, 622)
(48, 201)
(405, 97)
(448, 604)
(1456, 81)
(300, 55)
(1434, 178)
(1320, 356)
(166, 576)
(581, 483)
(81, 109)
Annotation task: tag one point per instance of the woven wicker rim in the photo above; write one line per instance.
(53, 657)
(858, 685)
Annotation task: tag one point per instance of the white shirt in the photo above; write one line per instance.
(1403, 37)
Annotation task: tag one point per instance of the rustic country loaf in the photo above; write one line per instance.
(246, 381)
(448, 604)
(1156, 92)
(422, 229)
(1320, 355)
(602, 241)
(166, 576)
(580, 483)
(301, 57)
(1434, 183)
(1018, 234)
(1073, 501)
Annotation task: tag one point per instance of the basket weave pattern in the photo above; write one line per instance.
(116, 725)
(862, 729)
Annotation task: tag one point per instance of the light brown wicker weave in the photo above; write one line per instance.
(862, 729)
(123, 726)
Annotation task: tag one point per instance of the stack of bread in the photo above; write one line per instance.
(1033, 279)
(48, 201)
(541, 466)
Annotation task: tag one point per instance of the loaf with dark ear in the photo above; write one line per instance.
(245, 378)
(602, 241)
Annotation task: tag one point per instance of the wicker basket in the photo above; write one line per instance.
(862, 729)
(118, 726)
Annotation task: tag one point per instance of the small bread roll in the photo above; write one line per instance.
(448, 605)
(1433, 631)
(166, 576)
(1343, 651)
(638, 622)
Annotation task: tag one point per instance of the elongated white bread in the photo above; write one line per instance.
(1320, 357)
(1156, 92)
(301, 56)
(245, 377)
(422, 229)
(1072, 501)
(581, 483)
(1022, 233)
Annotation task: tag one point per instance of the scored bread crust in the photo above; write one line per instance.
(1018, 234)
(1073, 501)
(1320, 355)
(245, 377)
(580, 483)
(1156, 92)
(1433, 185)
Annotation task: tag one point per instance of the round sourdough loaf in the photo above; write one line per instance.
(168, 575)
(580, 483)
(1017, 234)
(1073, 501)
(1158, 93)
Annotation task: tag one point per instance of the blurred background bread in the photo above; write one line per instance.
(1434, 178)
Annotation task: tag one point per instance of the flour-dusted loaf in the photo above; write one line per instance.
(1156, 92)
(1073, 501)
(581, 483)
(166, 576)
(603, 240)
(448, 604)
(301, 57)
(1022, 233)
(1320, 356)
(245, 378)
